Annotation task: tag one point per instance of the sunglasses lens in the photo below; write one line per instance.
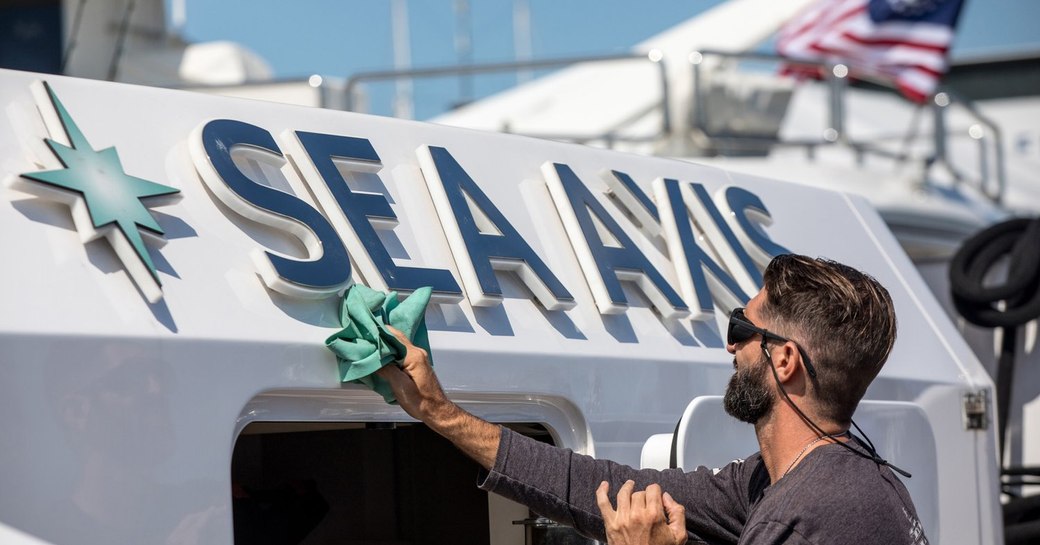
(738, 332)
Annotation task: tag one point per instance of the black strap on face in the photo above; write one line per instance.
(871, 453)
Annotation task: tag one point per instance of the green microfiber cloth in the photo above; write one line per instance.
(365, 345)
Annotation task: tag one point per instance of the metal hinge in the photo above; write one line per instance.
(976, 410)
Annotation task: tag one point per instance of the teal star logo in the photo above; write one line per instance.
(95, 180)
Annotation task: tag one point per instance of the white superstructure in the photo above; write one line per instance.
(126, 420)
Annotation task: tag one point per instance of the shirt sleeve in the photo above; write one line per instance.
(561, 485)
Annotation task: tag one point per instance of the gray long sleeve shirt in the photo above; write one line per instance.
(831, 496)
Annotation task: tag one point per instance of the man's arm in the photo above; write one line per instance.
(552, 481)
(421, 396)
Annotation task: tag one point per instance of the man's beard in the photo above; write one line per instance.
(748, 397)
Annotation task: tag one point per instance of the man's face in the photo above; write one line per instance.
(749, 395)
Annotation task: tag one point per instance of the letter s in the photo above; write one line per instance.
(211, 146)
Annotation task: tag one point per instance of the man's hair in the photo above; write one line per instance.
(843, 318)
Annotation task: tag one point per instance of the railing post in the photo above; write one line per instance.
(348, 92)
(699, 120)
(998, 157)
(984, 166)
(838, 82)
(666, 115)
(939, 103)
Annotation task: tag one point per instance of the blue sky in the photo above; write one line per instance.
(341, 37)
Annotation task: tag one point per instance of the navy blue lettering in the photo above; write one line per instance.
(741, 202)
(360, 208)
(489, 251)
(626, 259)
(698, 262)
(328, 273)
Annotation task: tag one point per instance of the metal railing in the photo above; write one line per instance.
(941, 102)
(837, 75)
(350, 90)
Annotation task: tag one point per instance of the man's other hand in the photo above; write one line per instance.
(642, 518)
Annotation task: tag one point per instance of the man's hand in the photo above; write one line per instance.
(642, 518)
(414, 383)
(422, 397)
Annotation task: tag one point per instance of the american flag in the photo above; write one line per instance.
(904, 41)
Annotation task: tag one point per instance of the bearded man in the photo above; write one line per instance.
(805, 350)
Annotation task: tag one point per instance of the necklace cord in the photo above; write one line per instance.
(799, 456)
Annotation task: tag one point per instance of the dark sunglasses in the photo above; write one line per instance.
(741, 329)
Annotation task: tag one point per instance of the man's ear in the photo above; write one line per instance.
(786, 359)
